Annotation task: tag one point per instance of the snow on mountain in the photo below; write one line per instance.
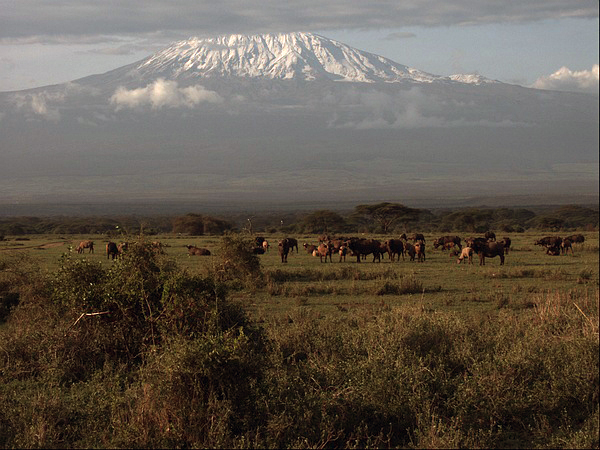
(303, 56)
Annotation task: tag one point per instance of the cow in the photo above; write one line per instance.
(197, 251)
(283, 246)
(85, 244)
(265, 245)
(360, 246)
(447, 242)
(122, 247)
(343, 251)
(490, 236)
(258, 240)
(470, 241)
(309, 248)
(466, 252)
(565, 245)
(112, 250)
(489, 249)
(409, 249)
(576, 238)
(395, 247)
(292, 243)
(506, 241)
(324, 251)
(420, 251)
(417, 237)
(549, 241)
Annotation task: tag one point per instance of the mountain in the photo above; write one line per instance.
(292, 117)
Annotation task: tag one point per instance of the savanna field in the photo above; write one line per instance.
(163, 349)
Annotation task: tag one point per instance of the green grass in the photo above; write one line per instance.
(403, 354)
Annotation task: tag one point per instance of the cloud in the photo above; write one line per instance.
(399, 35)
(163, 94)
(117, 17)
(40, 104)
(565, 79)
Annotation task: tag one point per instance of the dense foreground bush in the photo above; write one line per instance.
(147, 355)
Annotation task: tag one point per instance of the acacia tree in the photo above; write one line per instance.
(387, 214)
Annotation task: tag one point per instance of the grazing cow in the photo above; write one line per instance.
(324, 251)
(395, 247)
(360, 246)
(565, 245)
(420, 251)
(410, 250)
(309, 248)
(197, 251)
(553, 251)
(466, 252)
(490, 236)
(576, 238)
(506, 241)
(489, 249)
(417, 237)
(447, 242)
(283, 246)
(112, 250)
(85, 244)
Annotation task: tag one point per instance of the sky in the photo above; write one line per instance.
(547, 44)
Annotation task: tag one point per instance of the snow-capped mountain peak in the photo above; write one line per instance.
(298, 55)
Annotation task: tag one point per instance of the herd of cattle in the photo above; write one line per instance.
(485, 247)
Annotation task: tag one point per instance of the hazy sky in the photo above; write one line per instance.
(549, 44)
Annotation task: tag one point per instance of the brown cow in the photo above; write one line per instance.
(85, 244)
(466, 252)
(490, 236)
(324, 251)
(576, 238)
(410, 250)
(417, 237)
(565, 245)
(309, 248)
(490, 249)
(447, 242)
(420, 251)
(197, 251)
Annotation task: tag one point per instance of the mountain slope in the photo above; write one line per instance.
(289, 117)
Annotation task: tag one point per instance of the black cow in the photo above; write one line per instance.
(506, 241)
(489, 249)
(395, 247)
(576, 238)
(490, 236)
(292, 243)
(365, 247)
(284, 248)
(417, 237)
(112, 250)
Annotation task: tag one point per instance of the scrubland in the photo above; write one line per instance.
(241, 350)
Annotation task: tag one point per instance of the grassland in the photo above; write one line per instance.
(385, 354)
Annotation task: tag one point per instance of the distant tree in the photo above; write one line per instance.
(323, 221)
(198, 225)
(387, 214)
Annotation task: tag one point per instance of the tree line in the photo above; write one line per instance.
(382, 217)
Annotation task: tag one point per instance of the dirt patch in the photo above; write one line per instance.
(25, 247)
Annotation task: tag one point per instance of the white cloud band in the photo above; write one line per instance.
(163, 94)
